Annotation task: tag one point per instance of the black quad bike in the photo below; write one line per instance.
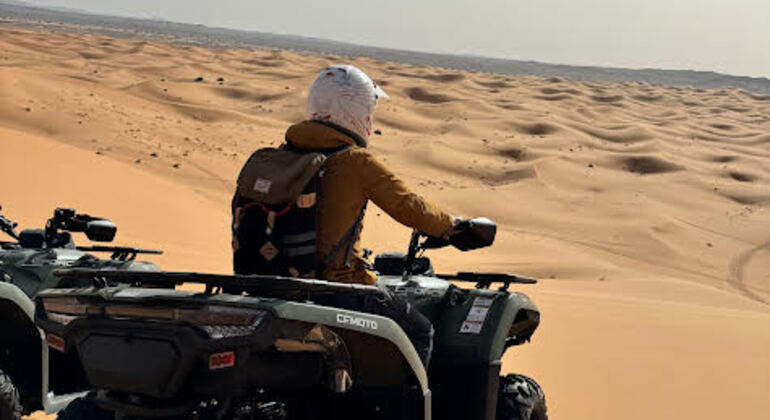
(26, 267)
(267, 349)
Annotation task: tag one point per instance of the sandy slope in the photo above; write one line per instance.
(645, 209)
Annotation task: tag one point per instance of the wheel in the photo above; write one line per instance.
(10, 401)
(520, 398)
(84, 409)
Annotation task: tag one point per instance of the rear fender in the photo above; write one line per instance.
(13, 294)
(366, 323)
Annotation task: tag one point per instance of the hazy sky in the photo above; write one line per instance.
(729, 36)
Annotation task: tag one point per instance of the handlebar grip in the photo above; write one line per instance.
(432, 242)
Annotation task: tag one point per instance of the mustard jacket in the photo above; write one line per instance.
(350, 179)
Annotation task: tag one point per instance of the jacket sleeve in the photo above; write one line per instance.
(391, 194)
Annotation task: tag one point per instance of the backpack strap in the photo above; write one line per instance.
(348, 239)
(328, 151)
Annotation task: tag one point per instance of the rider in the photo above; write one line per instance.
(340, 109)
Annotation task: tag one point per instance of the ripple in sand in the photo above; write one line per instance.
(742, 176)
(518, 154)
(508, 177)
(607, 99)
(269, 62)
(510, 106)
(747, 199)
(554, 91)
(725, 127)
(537, 129)
(498, 84)
(648, 165)
(421, 95)
(560, 97)
(92, 55)
(723, 159)
(622, 134)
(441, 78)
(648, 98)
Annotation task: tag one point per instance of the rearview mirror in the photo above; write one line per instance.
(101, 230)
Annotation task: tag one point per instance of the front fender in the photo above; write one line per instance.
(515, 303)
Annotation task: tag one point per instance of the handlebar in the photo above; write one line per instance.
(467, 234)
(8, 226)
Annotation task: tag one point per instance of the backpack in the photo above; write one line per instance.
(274, 212)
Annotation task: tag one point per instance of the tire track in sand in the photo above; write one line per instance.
(737, 266)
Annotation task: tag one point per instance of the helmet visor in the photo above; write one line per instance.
(379, 93)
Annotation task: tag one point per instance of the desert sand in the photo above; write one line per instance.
(644, 209)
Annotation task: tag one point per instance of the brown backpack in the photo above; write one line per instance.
(274, 213)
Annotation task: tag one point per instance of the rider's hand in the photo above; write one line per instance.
(455, 227)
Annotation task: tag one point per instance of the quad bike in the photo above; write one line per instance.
(26, 267)
(267, 349)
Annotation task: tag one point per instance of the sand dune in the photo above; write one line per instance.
(645, 209)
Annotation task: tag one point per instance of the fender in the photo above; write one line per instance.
(27, 370)
(515, 303)
(367, 323)
(13, 294)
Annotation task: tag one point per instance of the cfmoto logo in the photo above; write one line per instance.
(357, 321)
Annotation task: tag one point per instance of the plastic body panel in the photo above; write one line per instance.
(23, 274)
(464, 371)
(182, 350)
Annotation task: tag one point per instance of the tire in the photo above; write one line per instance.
(520, 398)
(84, 409)
(10, 401)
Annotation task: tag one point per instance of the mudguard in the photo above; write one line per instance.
(470, 340)
(25, 344)
(365, 323)
(515, 303)
(15, 295)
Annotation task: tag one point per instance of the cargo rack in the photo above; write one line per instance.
(234, 284)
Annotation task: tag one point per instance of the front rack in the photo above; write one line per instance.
(120, 253)
(485, 280)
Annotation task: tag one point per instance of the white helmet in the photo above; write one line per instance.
(345, 96)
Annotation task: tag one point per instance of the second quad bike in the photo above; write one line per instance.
(26, 267)
(270, 349)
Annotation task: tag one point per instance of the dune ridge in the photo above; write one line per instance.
(645, 209)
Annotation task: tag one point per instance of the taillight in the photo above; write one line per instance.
(64, 310)
(56, 342)
(222, 360)
(224, 321)
(66, 305)
(61, 318)
(223, 315)
(216, 321)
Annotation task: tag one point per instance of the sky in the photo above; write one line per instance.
(727, 36)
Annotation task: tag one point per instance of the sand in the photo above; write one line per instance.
(644, 209)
